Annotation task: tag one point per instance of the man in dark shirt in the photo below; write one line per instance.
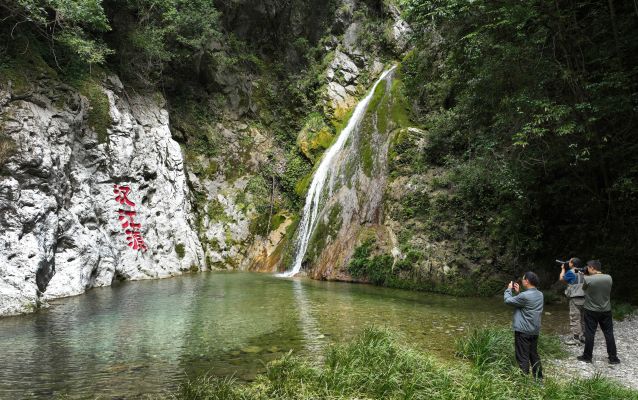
(526, 322)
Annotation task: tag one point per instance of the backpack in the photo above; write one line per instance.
(576, 289)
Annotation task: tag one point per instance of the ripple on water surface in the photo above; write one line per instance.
(145, 337)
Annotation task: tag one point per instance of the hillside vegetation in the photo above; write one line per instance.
(530, 114)
(527, 148)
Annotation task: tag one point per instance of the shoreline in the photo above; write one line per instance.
(626, 373)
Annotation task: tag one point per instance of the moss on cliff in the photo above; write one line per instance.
(372, 263)
(260, 194)
(400, 108)
(23, 70)
(23, 64)
(99, 116)
(15, 77)
(217, 212)
(325, 231)
(7, 149)
(314, 137)
(180, 250)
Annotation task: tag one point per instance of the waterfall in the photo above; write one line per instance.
(321, 175)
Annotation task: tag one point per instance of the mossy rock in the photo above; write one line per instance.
(323, 232)
(301, 187)
(340, 119)
(400, 108)
(23, 65)
(15, 78)
(276, 221)
(99, 115)
(7, 149)
(315, 137)
(217, 212)
(180, 250)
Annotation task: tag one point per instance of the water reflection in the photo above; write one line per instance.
(145, 337)
(313, 338)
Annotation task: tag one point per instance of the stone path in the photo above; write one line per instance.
(626, 333)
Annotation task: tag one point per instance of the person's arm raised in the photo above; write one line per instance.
(516, 301)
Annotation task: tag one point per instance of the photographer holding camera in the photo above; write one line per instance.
(572, 274)
(526, 322)
(597, 311)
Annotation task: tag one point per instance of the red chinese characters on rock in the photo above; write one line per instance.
(122, 195)
(127, 218)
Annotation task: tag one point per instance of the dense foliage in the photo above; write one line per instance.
(75, 25)
(531, 107)
(529, 110)
(148, 33)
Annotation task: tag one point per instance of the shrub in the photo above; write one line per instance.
(620, 311)
(180, 250)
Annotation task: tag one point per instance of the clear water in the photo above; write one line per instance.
(145, 337)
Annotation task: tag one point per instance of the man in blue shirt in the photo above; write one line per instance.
(526, 322)
(570, 274)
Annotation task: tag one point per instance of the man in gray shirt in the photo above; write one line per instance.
(526, 322)
(597, 307)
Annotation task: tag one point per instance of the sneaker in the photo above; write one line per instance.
(614, 360)
(584, 359)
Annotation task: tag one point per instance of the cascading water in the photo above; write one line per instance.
(321, 176)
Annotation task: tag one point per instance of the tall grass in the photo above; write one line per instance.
(375, 365)
(494, 348)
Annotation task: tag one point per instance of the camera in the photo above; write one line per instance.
(582, 270)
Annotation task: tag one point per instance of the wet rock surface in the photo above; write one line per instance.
(350, 62)
(59, 228)
(627, 343)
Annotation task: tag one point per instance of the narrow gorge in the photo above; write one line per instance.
(221, 127)
(308, 199)
(71, 144)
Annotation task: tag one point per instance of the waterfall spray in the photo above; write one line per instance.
(321, 175)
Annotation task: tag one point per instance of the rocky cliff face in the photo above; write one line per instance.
(218, 201)
(60, 229)
(354, 209)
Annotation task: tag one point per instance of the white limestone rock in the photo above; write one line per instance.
(342, 77)
(400, 32)
(59, 228)
(344, 67)
(351, 38)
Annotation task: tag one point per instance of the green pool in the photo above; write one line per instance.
(145, 337)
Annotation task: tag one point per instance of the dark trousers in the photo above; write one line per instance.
(527, 353)
(592, 320)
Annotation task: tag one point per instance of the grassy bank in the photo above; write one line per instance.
(376, 365)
